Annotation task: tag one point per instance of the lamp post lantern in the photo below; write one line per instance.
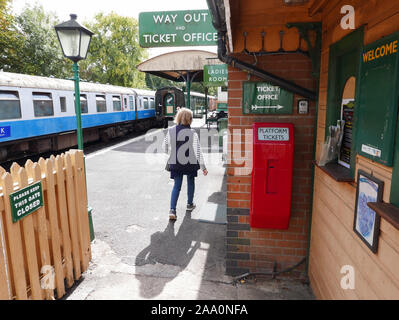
(75, 41)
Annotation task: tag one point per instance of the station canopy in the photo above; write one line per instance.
(177, 65)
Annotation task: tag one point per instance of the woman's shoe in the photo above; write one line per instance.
(191, 207)
(172, 214)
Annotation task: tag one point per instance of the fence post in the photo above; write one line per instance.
(40, 221)
(48, 169)
(81, 202)
(14, 241)
(63, 215)
(73, 220)
(29, 240)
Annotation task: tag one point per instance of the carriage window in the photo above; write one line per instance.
(117, 103)
(152, 103)
(63, 104)
(101, 104)
(131, 103)
(83, 103)
(145, 103)
(10, 107)
(43, 104)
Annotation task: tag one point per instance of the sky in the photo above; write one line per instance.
(87, 9)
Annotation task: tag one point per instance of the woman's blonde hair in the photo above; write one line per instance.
(184, 117)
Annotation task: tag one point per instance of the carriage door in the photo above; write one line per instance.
(131, 106)
(169, 103)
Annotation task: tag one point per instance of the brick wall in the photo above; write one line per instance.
(256, 250)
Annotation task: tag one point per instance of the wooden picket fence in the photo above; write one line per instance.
(48, 250)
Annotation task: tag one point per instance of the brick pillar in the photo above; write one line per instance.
(257, 250)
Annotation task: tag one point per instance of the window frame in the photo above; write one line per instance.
(43, 94)
(16, 94)
(116, 98)
(105, 102)
(350, 44)
(63, 98)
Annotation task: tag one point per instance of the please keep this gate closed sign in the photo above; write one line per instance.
(26, 201)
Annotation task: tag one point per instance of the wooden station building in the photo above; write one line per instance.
(335, 60)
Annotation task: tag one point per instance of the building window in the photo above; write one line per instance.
(63, 104)
(43, 104)
(116, 101)
(10, 106)
(101, 104)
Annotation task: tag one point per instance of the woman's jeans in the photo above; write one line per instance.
(177, 187)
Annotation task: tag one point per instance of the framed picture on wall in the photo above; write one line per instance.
(367, 222)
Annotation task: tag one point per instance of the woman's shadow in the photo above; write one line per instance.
(167, 248)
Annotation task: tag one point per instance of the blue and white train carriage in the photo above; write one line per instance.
(37, 114)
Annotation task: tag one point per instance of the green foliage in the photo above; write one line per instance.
(154, 82)
(114, 52)
(31, 45)
(41, 54)
(11, 41)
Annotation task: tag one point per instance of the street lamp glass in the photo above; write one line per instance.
(69, 40)
(74, 39)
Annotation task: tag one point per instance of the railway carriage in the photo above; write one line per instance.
(37, 114)
(168, 99)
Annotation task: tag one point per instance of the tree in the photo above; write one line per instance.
(11, 41)
(41, 53)
(154, 82)
(114, 52)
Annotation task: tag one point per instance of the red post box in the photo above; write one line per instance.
(273, 157)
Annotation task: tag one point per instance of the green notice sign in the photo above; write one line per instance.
(264, 98)
(25, 201)
(176, 29)
(216, 75)
(377, 104)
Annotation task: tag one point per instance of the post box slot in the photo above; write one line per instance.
(272, 176)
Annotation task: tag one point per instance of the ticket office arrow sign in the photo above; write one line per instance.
(254, 107)
(264, 98)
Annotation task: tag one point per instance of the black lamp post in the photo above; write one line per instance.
(75, 41)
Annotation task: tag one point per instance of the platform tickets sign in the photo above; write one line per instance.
(26, 201)
(264, 98)
(176, 29)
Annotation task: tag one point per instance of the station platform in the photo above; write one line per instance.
(139, 254)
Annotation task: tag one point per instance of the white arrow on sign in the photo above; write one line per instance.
(278, 107)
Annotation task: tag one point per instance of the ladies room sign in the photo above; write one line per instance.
(264, 98)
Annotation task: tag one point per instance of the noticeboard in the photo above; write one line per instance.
(176, 29)
(264, 98)
(378, 100)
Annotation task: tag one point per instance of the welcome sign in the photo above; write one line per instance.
(176, 29)
(378, 100)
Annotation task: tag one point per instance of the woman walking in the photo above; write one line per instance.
(185, 158)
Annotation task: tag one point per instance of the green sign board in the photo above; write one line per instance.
(378, 100)
(222, 106)
(176, 29)
(216, 75)
(25, 201)
(264, 98)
